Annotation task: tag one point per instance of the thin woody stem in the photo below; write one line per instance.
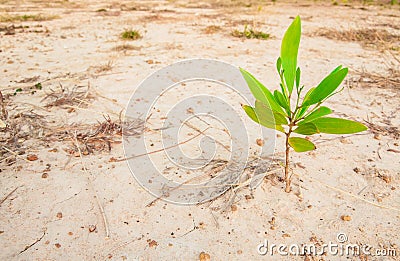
(287, 177)
(292, 123)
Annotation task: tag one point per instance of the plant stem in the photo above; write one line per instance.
(292, 123)
(287, 178)
(309, 112)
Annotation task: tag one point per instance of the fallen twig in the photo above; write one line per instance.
(3, 107)
(160, 150)
(15, 154)
(91, 186)
(8, 195)
(34, 243)
(202, 132)
(350, 194)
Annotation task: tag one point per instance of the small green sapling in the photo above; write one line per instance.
(289, 110)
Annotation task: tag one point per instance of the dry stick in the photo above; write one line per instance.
(180, 187)
(23, 86)
(8, 195)
(208, 124)
(34, 106)
(101, 113)
(6, 158)
(3, 107)
(89, 104)
(121, 246)
(191, 230)
(15, 154)
(91, 186)
(394, 57)
(106, 98)
(163, 149)
(190, 180)
(235, 186)
(63, 77)
(34, 243)
(349, 194)
(81, 100)
(199, 131)
(97, 112)
(238, 186)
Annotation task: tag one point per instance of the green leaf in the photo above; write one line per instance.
(281, 101)
(260, 92)
(338, 126)
(318, 113)
(266, 114)
(279, 65)
(326, 87)
(303, 108)
(308, 93)
(301, 145)
(250, 112)
(306, 129)
(263, 119)
(289, 51)
(283, 91)
(300, 113)
(298, 72)
(337, 69)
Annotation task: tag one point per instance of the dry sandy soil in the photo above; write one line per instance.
(58, 202)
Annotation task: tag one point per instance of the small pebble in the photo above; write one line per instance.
(345, 218)
(153, 243)
(32, 157)
(204, 256)
(377, 136)
(387, 179)
(272, 222)
(92, 228)
(248, 197)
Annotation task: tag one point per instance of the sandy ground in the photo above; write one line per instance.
(52, 209)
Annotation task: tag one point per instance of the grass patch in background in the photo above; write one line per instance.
(250, 33)
(27, 17)
(380, 39)
(126, 47)
(131, 35)
(105, 67)
(212, 29)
